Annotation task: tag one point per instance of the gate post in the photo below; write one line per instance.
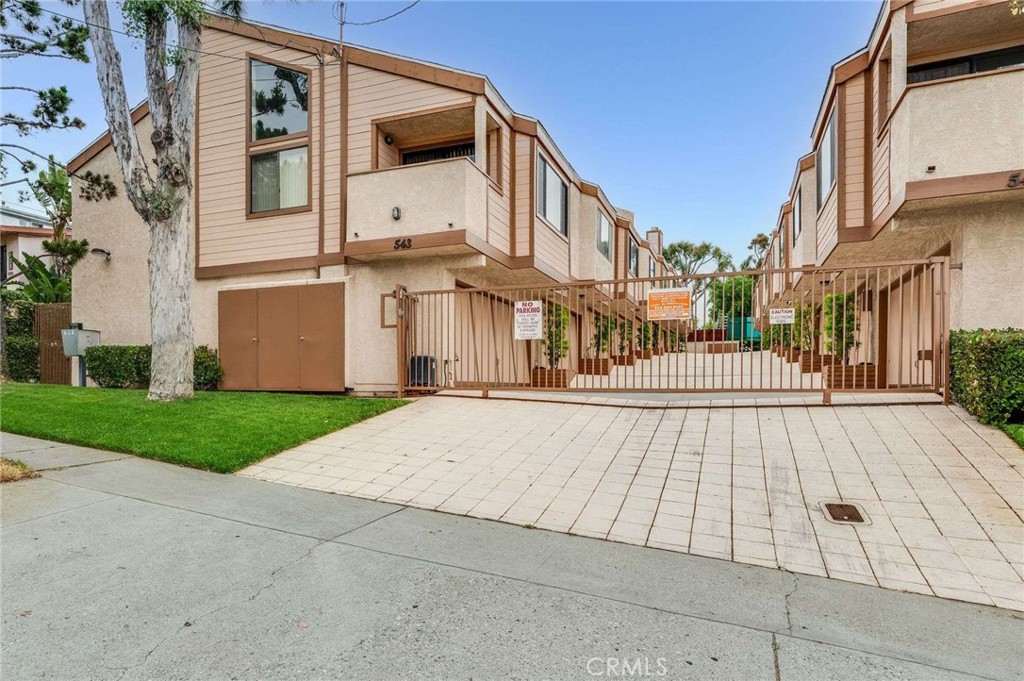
(400, 339)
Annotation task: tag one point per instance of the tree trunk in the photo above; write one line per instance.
(170, 305)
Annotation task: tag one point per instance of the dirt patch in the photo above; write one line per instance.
(12, 470)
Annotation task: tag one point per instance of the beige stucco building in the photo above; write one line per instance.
(326, 176)
(917, 153)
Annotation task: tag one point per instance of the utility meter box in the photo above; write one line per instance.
(77, 340)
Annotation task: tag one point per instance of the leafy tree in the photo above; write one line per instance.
(43, 283)
(556, 334)
(164, 198)
(604, 326)
(731, 297)
(53, 192)
(757, 247)
(839, 313)
(27, 30)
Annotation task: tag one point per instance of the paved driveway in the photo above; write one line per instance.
(943, 495)
(120, 568)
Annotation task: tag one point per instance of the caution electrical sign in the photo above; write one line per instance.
(668, 304)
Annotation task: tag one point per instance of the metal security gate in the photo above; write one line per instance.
(881, 327)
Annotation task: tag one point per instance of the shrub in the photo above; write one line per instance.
(21, 358)
(124, 366)
(19, 313)
(987, 373)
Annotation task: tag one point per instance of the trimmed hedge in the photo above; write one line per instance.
(987, 373)
(126, 366)
(21, 358)
(19, 313)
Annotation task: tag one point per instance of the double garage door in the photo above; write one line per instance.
(283, 338)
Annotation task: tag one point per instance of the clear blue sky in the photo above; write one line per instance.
(691, 114)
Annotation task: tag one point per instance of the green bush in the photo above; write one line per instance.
(21, 358)
(19, 313)
(987, 373)
(124, 366)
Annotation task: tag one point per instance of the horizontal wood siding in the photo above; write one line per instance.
(226, 236)
(375, 94)
(551, 247)
(853, 196)
(524, 184)
(827, 227)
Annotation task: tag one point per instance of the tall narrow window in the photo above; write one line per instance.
(604, 235)
(652, 267)
(825, 160)
(797, 224)
(279, 135)
(552, 197)
(634, 257)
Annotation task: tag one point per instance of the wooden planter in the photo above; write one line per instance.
(596, 367)
(813, 364)
(658, 352)
(645, 354)
(551, 378)
(623, 360)
(847, 377)
(792, 354)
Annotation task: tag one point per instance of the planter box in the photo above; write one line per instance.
(722, 348)
(551, 378)
(596, 367)
(658, 352)
(623, 360)
(846, 377)
(812, 364)
(792, 354)
(645, 354)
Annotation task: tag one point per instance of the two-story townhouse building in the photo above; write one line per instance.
(917, 152)
(326, 175)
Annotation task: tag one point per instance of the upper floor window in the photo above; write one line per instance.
(797, 223)
(825, 160)
(604, 235)
(552, 196)
(278, 101)
(652, 267)
(634, 257)
(962, 66)
(278, 180)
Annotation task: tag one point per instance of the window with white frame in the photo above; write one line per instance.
(552, 197)
(825, 160)
(604, 235)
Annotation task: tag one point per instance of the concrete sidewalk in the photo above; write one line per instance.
(117, 567)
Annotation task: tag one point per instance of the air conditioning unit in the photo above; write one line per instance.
(422, 370)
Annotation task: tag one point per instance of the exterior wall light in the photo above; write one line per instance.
(389, 140)
(101, 251)
(396, 213)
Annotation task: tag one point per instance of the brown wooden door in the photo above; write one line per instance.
(322, 337)
(237, 343)
(277, 319)
(54, 367)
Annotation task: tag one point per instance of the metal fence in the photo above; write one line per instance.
(881, 327)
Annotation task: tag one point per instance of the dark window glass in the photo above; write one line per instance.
(949, 70)
(279, 101)
(464, 150)
(634, 258)
(279, 180)
(962, 66)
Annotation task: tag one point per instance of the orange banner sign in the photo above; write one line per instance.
(668, 303)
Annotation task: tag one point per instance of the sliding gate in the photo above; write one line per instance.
(880, 327)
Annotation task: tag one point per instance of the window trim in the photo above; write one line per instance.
(249, 142)
(542, 159)
(249, 213)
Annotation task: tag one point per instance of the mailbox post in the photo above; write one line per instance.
(76, 340)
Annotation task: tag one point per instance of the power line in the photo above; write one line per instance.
(382, 19)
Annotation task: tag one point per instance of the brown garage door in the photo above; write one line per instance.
(283, 338)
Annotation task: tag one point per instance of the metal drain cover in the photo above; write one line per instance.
(843, 513)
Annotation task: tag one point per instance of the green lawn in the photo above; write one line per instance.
(216, 431)
(1015, 431)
